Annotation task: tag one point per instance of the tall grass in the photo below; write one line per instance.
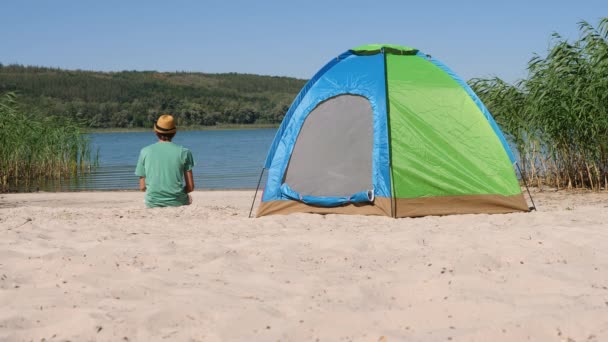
(558, 116)
(34, 149)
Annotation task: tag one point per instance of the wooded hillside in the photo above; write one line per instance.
(136, 98)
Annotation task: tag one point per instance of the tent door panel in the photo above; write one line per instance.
(332, 155)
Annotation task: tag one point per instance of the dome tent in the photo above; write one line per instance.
(389, 130)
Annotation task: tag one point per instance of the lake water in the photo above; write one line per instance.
(225, 159)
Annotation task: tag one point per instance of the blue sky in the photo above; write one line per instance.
(282, 38)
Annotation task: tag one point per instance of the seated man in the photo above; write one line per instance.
(164, 166)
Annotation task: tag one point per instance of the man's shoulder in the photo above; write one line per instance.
(183, 148)
(147, 148)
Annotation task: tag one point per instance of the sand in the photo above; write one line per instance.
(99, 266)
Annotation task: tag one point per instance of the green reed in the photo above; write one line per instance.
(558, 116)
(34, 149)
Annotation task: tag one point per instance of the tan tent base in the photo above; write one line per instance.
(380, 207)
(407, 207)
(449, 205)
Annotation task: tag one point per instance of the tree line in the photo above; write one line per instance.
(131, 99)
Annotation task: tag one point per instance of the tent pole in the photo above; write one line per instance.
(256, 191)
(526, 184)
(388, 134)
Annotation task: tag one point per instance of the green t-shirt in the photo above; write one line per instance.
(163, 164)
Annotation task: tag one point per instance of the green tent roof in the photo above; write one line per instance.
(372, 49)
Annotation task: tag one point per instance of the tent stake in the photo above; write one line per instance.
(526, 184)
(256, 191)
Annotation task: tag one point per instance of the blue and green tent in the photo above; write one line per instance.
(389, 130)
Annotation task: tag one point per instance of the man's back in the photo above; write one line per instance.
(163, 165)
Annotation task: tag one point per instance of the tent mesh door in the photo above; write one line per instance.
(333, 152)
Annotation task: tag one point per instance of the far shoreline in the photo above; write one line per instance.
(185, 128)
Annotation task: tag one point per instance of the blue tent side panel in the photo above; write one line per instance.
(296, 102)
(475, 99)
(347, 74)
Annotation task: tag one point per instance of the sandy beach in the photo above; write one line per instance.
(98, 266)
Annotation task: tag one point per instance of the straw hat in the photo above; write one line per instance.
(165, 124)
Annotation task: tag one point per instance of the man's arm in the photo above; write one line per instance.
(142, 183)
(189, 181)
